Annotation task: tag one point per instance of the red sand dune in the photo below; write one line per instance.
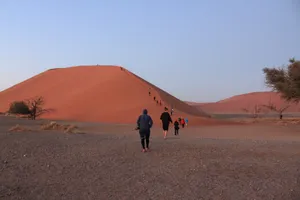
(237, 103)
(99, 94)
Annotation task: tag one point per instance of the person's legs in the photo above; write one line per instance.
(142, 136)
(165, 129)
(143, 142)
(147, 140)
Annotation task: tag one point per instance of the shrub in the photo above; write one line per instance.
(19, 107)
(33, 107)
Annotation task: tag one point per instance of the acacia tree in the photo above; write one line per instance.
(32, 107)
(285, 80)
(36, 107)
(255, 111)
(271, 106)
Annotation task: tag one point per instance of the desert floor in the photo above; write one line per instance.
(219, 162)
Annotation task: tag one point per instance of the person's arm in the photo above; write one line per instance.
(138, 121)
(170, 119)
(150, 122)
(161, 116)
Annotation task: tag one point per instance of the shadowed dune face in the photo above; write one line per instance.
(236, 104)
(100, 94)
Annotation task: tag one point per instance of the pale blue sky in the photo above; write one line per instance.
(198, 50)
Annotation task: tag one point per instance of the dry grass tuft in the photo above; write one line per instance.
(18, 128)
(52, 126)
(66, 128)
(73, 129)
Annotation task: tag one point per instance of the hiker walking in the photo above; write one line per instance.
(176, 127)
(172, 110)
(182, 122)
(165, 119)
(186, 121)
(144, 124)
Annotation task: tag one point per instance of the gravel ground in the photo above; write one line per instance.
(106, 163)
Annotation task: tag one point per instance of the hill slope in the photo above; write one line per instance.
(98, 93)
(237, 103)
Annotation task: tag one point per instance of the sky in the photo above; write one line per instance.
(197, 50)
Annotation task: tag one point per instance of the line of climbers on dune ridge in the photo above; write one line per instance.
(145, 123)
(158, 102)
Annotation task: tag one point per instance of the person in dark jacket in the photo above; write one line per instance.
(165, 119)
(144, 124)
(176, 127)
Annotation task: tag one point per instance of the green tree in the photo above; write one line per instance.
(285, 80)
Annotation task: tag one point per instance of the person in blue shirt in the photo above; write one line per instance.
(186, 121)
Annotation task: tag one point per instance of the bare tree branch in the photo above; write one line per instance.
(245, 110)
(255, 111)
(36, 107)
(271, 106)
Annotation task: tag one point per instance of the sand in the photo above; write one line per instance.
(99, 94)
(237, 103)
(210, 162)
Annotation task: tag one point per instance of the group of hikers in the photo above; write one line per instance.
(156, 100)
(144, 124)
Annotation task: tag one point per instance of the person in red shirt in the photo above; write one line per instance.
(182, 122)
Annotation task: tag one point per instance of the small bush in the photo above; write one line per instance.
(19, 107)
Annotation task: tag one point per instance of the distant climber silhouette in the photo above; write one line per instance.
(172, 110)
(154, 98)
